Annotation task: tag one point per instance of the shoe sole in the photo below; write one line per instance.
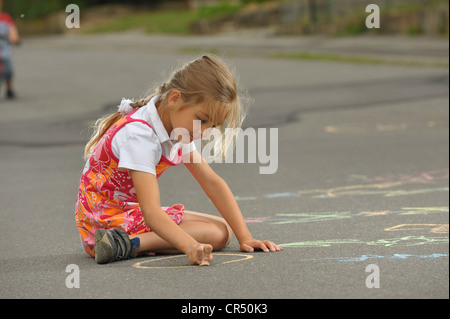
(104, 246)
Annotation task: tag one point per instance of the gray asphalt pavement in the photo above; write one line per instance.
(359, 200)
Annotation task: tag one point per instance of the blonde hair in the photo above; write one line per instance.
(206, 80)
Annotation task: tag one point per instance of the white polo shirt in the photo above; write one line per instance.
(139, 147)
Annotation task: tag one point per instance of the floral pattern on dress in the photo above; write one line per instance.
(107, 197)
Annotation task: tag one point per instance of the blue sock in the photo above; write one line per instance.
(135, 242)
(135, 245)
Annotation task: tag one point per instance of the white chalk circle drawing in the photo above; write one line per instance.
(143, 264)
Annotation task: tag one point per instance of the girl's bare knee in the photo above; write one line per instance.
(219, 233)
(228, 232)
(220, 236)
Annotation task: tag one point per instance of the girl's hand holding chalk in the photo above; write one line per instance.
(200, 254)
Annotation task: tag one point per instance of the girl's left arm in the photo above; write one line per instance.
(223, 199)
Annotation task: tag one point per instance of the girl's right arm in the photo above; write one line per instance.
(147, 191)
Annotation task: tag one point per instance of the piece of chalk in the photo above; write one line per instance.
(203, 262)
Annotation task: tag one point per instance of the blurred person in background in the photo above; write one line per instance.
(8, 35)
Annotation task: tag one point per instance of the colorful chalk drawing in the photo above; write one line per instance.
(351, 128)
(380, 185)
(428, 177)
(434, 228)
(357, 190)
(306, 217)
(367, 257)
(145, 264)
(386, 186)
(406, 241)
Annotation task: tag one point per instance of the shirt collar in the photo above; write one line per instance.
(156, 122)
(170, 150)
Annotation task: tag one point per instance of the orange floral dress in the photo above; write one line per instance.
(106, 195)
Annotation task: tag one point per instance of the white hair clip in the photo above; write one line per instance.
(125, 108)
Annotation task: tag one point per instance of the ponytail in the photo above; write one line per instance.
(100, 128)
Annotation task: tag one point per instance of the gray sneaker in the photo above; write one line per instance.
(114, 244)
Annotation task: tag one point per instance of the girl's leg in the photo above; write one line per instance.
(206, 229)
